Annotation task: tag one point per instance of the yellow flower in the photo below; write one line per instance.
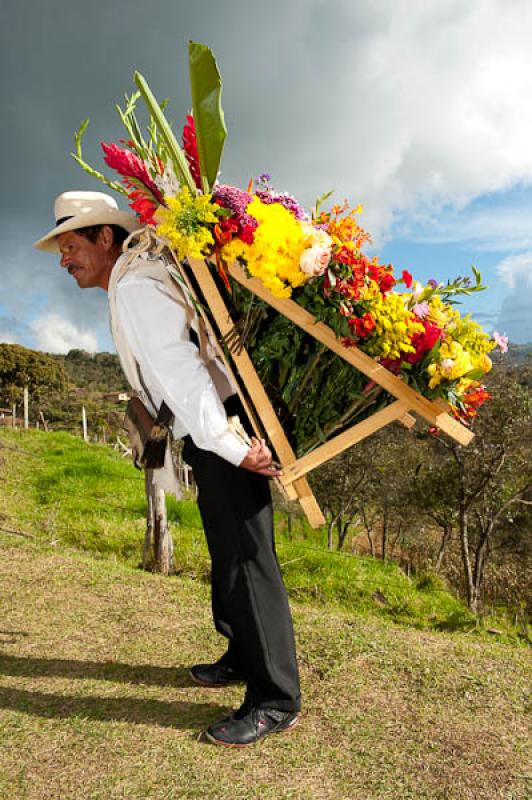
(274, 255)
(184, 223)
(394, 323)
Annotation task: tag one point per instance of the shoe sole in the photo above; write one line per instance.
(209, 685)
(288, 728)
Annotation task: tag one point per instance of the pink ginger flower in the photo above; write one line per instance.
(130, 166)
(190, 146)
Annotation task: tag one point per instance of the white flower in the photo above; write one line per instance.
(316, 257)
(417, 290)
(314, 260)
(167, 183)
(447, 365)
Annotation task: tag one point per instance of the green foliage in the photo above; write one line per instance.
(315, 393)
(94, 173)
(98, 372)
(20, 367)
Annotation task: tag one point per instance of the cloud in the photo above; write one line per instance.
(516, 272)
(13, 331)
(503, 227)
(405, 107)
(57, 335)
(515, 319)
(412, 108)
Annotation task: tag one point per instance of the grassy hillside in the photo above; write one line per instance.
(66, 492)
(95, 698)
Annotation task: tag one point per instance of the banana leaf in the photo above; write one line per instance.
(206, 90)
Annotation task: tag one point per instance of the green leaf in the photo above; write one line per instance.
(320, 200)
(206, 90)
(474, 374)
(78, 158)
(176, 154)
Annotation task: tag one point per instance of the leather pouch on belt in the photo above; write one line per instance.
(148, 436)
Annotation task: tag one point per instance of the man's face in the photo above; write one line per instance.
(86, 261)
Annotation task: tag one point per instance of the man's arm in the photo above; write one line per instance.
(156, 328)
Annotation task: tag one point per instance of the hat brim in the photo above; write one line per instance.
(127, 221)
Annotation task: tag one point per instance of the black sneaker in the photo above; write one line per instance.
(216, 676)
(253, 724)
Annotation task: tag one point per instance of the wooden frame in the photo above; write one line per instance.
(294, 469)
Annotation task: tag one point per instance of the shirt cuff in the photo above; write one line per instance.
(229, 447)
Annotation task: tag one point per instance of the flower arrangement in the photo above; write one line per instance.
(315, 257)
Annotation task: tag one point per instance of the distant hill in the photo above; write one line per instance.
(60, 385)
(518, 355)
(98, 372)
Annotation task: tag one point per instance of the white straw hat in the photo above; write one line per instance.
(73, 210)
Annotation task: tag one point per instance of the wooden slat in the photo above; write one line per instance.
(223, 315)
(256, 390)
(344, 440)
(375, 371)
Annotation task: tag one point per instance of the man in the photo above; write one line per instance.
(153, 325)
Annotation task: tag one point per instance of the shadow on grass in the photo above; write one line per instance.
(147, 674)
(178, 714)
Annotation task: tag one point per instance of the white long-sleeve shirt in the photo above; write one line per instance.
(156, 326)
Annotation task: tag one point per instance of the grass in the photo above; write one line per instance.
(90, 498)
(95, 699)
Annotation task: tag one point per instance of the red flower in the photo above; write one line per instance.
(247, 234)
(143, 206)
(362, 325)
(386, 282)
(407, 278)
(130, 166)
(190, 146)
(345, 255)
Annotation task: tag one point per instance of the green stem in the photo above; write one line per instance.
(176, 154)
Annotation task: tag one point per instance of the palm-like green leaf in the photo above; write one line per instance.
(176, 154)
(206, 90)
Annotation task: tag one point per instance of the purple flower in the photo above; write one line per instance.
(433, 283)
(237, 201)
(268, 196)
(421, 309)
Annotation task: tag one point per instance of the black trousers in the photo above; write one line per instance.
(249, 602)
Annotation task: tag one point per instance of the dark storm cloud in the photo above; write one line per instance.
(356, 96)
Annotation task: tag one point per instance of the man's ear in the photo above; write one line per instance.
(107, 237)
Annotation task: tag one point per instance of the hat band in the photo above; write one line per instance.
(61, 220)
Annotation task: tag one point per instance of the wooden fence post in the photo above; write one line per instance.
(158, 544)
(26, 414)
(84, 423)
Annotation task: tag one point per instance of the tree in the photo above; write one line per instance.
(338, 484)
(484, 489)
(20, 367)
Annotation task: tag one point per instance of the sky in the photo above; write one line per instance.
(420, 111)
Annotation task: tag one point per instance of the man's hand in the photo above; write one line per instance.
(259, 459)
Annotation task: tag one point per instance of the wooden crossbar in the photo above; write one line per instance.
(428, 409)
(344, 440)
